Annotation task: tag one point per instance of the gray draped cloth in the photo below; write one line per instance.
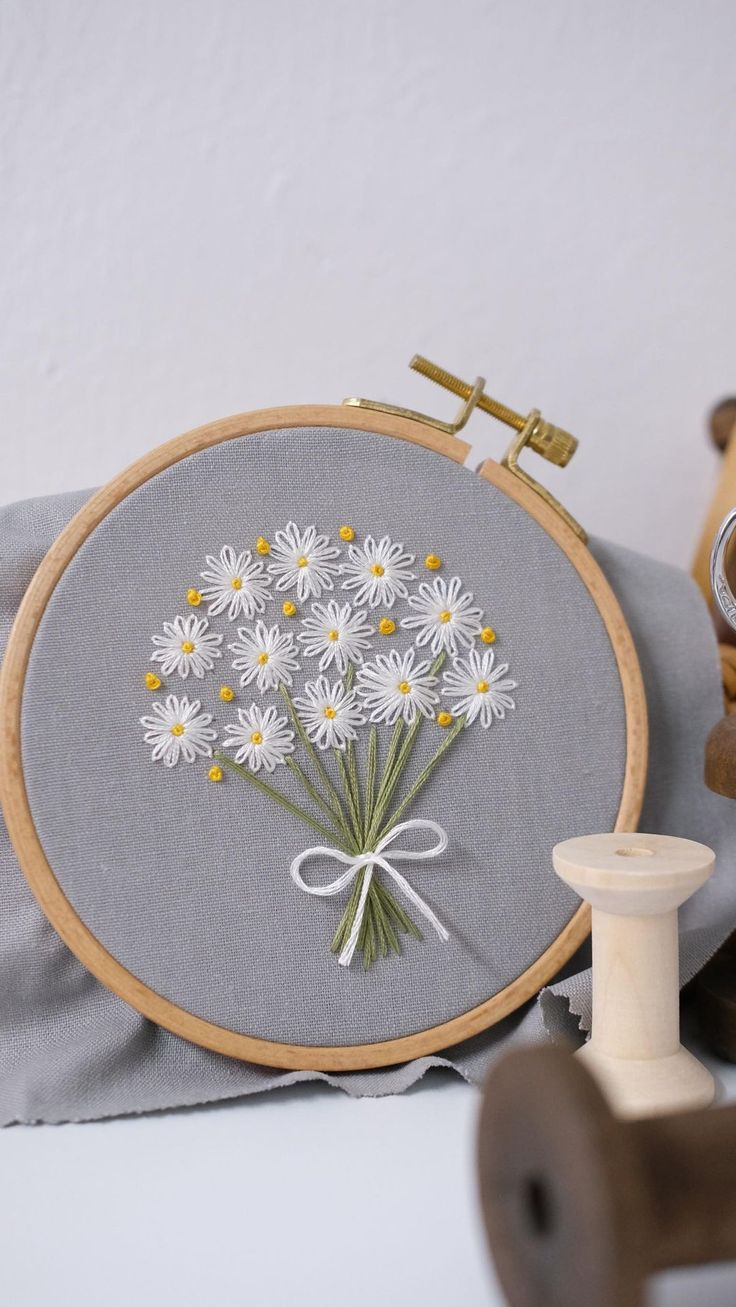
(70, 1050)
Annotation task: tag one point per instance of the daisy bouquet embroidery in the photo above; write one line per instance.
(343, 661)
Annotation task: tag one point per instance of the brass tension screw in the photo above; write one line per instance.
(554, 444)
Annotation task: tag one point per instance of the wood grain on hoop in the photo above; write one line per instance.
(25, 838)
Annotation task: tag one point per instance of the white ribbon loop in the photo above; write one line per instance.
(355, 864)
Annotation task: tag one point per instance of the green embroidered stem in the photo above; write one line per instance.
(393, 908)
(386, 933)
(293, 766)
(396, 764)
(348, 916)
(352, 805)
(424, 775)
(293, 808)
(366, 929)
(388, 765)
(391, 779)
(332, 793)
(381, 937)
(355, 784)
(370, 779)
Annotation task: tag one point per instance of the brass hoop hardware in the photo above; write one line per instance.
(550, 442)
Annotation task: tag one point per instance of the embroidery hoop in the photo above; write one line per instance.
(24, 836)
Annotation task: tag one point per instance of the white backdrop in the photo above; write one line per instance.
(215, 205)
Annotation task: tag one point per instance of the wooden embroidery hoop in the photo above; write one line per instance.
(25, 838)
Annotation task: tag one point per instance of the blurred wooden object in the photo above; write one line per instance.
(579, 1206)
(723, 433)
(715, 987)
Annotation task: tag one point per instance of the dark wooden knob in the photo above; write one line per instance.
(579, 1206)
(722, 422)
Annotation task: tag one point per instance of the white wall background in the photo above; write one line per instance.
(216, 205)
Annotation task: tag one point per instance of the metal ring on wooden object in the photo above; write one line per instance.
(722, 592)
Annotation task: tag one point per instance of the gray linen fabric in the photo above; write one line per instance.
(70, 1050)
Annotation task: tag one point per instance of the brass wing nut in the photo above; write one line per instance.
(554, 444)
(551, 442)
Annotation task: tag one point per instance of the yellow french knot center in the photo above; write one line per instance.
(488, 635)
(386, 626)
(177, 729)
(330, 711)
(377, 569)
(446, 616)
(187, 646)
(256, 738)
(333, 635)
(237, 583)
(302, 562)
(263, 659)
(262, 546)
(405, 687)
(482, 687)
(444, 719)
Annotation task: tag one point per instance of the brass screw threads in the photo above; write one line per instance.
(554, 444)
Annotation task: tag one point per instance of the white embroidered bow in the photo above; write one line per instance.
(356, 862)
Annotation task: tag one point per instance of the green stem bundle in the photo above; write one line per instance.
(358, 818)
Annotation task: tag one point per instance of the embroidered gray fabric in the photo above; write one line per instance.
(183, 883)
(70, 1050)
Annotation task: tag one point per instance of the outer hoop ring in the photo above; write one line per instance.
(39, 873)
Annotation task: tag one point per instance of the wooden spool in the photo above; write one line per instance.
(40, 874)
(580, 1206)
(635, 885)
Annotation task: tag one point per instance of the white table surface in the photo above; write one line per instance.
(299, 1197)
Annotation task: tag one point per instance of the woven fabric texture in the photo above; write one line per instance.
(71, 1050)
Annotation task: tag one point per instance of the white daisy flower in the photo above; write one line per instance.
(236, 583)
(187, 645)
(303, 560)
(392, 687)
(377, 571)
(259, 738)
(329, 713)
(265, 656)
(177, 728)
(445, 618)
(483, 692)
(337, 633)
